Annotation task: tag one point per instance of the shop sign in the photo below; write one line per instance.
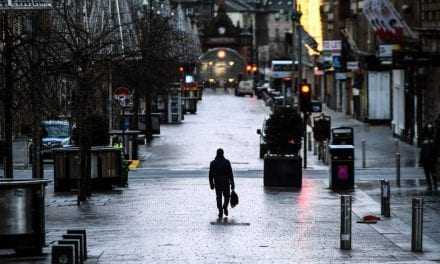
(337, 63)
(332, 45)
(341, 76)
(386, 51)
(353, 65)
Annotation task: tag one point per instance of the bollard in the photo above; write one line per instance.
(385, 194)
(81, 239)
(398, 169)
(315, 151)
(345, 238)
(130, 149)
(397, 145)
(364, 154)
(309, 140)
(417, 225)
(76, 244)
(83, 233)
(62, 254)
(325, 152)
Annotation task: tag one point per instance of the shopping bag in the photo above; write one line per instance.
(234, 199)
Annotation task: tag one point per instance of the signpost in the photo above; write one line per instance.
(122, 95)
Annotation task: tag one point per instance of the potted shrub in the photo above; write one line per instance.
(282, 164)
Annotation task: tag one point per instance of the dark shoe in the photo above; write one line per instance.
(226, 211)
(220, 214)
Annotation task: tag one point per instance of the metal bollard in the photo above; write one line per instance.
(397, 145)
(345, 238)
(315, 148)
(130, 149)
(364, 154)
(325, 152)
(398, 169)
(385, 194)
(309, 140)
(417, 225)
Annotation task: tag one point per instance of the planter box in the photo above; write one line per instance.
(105, 169)
(282, 170)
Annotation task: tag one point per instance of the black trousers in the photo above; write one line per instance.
(226, 193)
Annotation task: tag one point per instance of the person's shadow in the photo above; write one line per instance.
(227, 221)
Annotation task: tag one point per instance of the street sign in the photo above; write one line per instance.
(353, 65)
(315, 106)
(332, 45)
(337, 63)
(122, 95)
(341, 76)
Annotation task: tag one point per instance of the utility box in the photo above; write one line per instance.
(342, 136)
(341, 167)
(22, 216)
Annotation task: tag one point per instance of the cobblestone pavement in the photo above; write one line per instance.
(401, 199)
(380, 143)
(167, 213)
(231, 122)
(173, 220)
(225, 121)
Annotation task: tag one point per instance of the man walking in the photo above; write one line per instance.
(220, 178)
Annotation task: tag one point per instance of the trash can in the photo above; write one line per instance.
(22, 221)
(341, 167)
(342, 136)
(322, 127)
(155, 123)
(66, 162)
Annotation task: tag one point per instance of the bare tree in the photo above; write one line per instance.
(148, 69)
(82, 40)
(22, 88)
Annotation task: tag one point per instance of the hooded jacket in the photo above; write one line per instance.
(220, 173)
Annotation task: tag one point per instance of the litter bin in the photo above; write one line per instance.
(66, 162)
(155, 123)
(341, 167)
(22, 221)
(322, 127)
(342, 136)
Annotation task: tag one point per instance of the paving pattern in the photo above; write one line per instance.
(167, 214)
(174, 221)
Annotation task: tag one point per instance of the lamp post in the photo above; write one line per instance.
(296, 51)
(296, 31)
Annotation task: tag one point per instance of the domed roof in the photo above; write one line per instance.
(221, 25)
